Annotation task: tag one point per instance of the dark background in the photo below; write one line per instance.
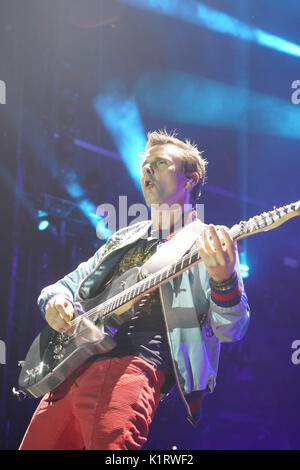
(55, 59)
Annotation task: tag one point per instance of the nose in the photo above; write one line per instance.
(147, 169)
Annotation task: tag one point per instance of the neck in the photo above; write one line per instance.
(164, 217)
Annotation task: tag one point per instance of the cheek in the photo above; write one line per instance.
(168, 183)
(171, 179)
(178, 182)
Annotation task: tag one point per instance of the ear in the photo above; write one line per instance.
(193, 179)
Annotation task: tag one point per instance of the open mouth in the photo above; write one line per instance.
(149, 184)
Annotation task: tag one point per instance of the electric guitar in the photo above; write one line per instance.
(53, 356)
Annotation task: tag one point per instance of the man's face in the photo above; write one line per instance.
(162, 179)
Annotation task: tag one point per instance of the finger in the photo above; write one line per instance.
(219, 252)
(62, 314)
(202, 251)
(208, 253)
(65, 310)
(207, 244)
(229, 243)
(69, 309)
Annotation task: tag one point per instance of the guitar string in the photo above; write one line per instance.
(117, 297)
(235, 232)
(141, 283)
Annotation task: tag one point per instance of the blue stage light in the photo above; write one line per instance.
(43, 222)
(121, 117)
(197, 13)
(244, 270)
(277, 43)
(244, 267)
(74, 190)
(41, 214)
(88, 209)
(189, 99)
(43, 225)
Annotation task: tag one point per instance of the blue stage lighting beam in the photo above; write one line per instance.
(68, 178)
(74, 189)
(244, 267)
(121, 117)
(88, 209)
(96, 149)
(181, 97)
(197, 13)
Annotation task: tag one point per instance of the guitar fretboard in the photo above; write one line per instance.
(264, 221)
(157, 279)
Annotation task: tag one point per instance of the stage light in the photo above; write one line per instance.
(88, 209)
(197, 13)
(74, 190)
(189, 99)
(244, 267)
(43, 225)
(244, 270)
(43, 222)
(120, 114)
(86, 206)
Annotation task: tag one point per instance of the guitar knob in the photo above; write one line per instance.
(57, 349)
(58, 357)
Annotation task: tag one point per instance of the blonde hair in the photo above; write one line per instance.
(191, 158)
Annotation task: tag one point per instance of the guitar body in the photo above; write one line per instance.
(53, 356)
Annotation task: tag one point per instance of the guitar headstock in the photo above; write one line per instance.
(266, 221)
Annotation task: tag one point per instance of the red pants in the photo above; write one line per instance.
(107, 405)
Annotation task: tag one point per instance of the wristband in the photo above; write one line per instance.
(225, 285)
(228, 293)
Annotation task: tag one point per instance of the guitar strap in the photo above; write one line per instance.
(173, 250)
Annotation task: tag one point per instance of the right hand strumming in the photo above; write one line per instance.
(59, 312)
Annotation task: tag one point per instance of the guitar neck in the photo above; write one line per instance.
(262, 222)
(153, 281)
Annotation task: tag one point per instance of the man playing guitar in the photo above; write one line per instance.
(174, 337)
